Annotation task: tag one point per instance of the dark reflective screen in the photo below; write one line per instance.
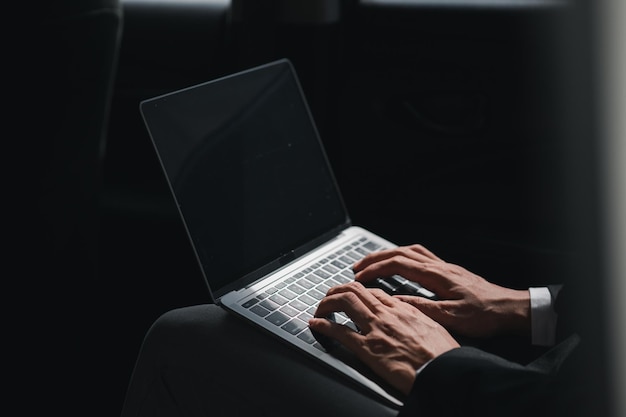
(245, 165)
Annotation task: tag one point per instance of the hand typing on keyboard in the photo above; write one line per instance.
(394, 339)
(467, 304)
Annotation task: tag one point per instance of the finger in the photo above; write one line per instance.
(417, 252)
(425, 252)
(343, 334)
(436, 310)
(357, 302)
(365, 295)
(430, 274)
(383, 297)
(410, 253)
(396, 265)
(372, 258)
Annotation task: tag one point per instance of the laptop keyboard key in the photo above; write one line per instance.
(351, 325)
(277, 318)
(348, 273)
(269, 305)
(250, 303)
(257, 309)
(299, 305)
(314, 279)
(346, 260)
(295, 326)
(322, 274)
(290, 311)
(362, 251)
(306, 284)
(371, 246)
(315, 294)
(330, 269)
(339, 265)
(306, 299)
(331, 282)
(307, 336)
(278, 299)
(305, 316)
(289, 295)
(342, 279)
(323, 288)
(355, 256)
(296, 289)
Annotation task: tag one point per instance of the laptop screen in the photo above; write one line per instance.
(245, 164)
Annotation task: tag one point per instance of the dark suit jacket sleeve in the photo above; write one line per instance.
(470, 382)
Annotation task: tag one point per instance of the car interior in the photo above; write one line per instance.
(447, 123)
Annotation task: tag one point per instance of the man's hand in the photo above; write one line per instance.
(468, 305)
(395, 339)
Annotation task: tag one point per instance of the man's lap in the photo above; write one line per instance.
(201, 360)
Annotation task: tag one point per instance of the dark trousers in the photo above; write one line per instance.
(203, 361)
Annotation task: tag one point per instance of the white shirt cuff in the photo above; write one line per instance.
(542, 317)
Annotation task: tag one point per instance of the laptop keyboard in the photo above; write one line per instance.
(290, 303)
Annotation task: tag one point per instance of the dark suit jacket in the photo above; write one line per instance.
(471, 382)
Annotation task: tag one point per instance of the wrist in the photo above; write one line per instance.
(515, 313)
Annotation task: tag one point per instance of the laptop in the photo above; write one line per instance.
(260, 204)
